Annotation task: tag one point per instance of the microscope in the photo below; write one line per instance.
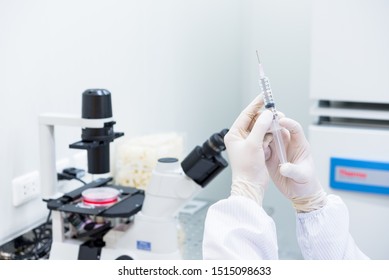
(101, 220)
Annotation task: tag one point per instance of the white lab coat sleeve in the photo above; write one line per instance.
(238, 228)
(324, 233)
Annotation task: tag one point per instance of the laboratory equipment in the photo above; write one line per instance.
(139, 225)
(276, 129)
(349, 135)
(97, 133)
(154, 234)
(101, 220)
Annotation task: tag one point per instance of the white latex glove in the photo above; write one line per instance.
(245, 152)
(296, 179)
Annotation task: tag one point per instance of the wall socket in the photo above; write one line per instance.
(25, 188)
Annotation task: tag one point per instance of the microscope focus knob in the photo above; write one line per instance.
(167, 165)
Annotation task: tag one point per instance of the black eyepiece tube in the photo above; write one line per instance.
(204, 163)
(97, 104)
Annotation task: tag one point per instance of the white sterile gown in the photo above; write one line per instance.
(238, 228)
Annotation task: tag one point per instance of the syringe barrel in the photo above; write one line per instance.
(264, 85)
(278, 140)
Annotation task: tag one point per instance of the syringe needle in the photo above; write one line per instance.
(259, 61)
(261, 72)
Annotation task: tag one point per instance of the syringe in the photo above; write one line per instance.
(269, 104)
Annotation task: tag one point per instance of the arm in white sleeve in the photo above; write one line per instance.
(324, 233)
(239, 228)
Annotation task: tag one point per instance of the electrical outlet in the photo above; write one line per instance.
(25, 188)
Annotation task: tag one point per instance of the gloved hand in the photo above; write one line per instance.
(245, 152)
(296, 179)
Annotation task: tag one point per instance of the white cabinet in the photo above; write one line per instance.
(350, 133)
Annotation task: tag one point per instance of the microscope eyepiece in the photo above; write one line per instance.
(96, 104)
(215, 144)
(205, 162)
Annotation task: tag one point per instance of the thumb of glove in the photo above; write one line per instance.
(295, 172)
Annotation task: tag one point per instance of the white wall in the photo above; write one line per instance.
(187, 66)
(280, 30)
